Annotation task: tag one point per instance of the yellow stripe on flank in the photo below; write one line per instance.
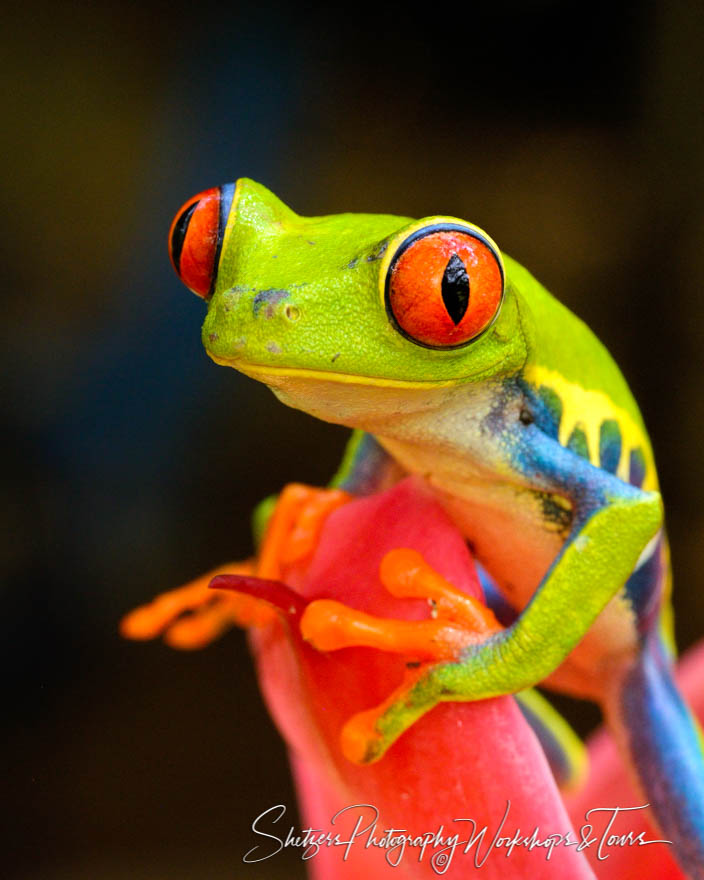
(588, 409)
(256, 371)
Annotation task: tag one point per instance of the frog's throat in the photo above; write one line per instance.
(274, 375)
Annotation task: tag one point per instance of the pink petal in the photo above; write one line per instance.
(460, 761)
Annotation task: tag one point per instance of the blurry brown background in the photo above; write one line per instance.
(571, 132)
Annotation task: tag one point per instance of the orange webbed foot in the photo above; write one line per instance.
(193, 616)
(457, 621)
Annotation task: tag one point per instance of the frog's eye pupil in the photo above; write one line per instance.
(455, 288)
(444, 285)
(179, 233)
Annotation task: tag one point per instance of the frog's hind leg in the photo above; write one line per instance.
(652, 723)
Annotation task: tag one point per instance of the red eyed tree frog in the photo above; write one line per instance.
(452, 362)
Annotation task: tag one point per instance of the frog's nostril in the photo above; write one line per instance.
(293, 313)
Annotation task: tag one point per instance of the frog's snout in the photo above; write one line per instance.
(249, 322)
(195, 238)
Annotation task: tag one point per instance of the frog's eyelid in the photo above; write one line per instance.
(445, 226)
(227, 194)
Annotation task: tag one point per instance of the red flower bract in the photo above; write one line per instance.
(461, 768)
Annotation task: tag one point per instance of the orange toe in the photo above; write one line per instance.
(294, 529)
(457, 621)
(330, 625)
(149, 621)
(407, 575)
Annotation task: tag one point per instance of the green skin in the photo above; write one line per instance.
(298, 305)
(531, 440)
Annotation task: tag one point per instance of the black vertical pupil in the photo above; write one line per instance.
(455, 289)
(179, 234)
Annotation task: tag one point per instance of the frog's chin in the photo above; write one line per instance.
(356, 401)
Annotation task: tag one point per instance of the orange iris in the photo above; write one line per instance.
(444, 287)
(193, 241)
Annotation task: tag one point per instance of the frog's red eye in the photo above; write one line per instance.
(196, 235)
(444, 285)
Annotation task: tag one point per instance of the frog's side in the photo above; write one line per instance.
(525, 429)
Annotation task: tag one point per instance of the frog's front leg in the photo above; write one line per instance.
(612, 524)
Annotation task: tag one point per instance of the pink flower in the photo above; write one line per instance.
(461, 767)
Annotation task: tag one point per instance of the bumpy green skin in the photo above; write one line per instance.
(299, 304)
(329, 269)
(530, 438)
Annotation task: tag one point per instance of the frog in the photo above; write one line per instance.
(451, 362)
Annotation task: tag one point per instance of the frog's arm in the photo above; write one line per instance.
(612, 524)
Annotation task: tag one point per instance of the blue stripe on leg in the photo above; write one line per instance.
(666, 751)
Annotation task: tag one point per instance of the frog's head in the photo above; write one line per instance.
(344, 314)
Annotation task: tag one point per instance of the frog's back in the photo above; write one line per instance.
(594, 411)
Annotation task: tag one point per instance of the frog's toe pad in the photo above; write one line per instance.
(457, 621)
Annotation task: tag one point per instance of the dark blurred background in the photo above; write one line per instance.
(572, 133)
